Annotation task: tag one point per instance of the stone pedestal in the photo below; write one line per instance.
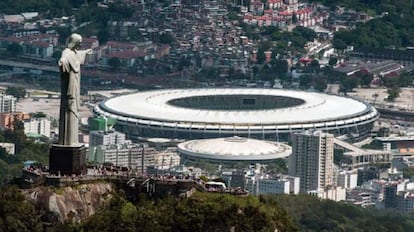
(67, 160)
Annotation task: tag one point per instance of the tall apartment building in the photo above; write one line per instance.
(281, 184)
(167, 158)
(106, 138)
(391, 191)
(7, 103)
(137, 156)
(312, 160)
(8, 119)
(39, 126)
(347, 179)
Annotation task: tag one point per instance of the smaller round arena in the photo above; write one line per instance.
(233, 149)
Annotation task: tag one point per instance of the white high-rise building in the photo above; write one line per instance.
(39, 126)
(137, 156)
(347, 179)
(106, 138)
(7, 103)
(281, 184)
(167, 158)
(312, 160)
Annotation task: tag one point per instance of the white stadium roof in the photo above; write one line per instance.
(234, 149)
(152, 105)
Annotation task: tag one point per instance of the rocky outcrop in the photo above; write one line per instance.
(71, 203)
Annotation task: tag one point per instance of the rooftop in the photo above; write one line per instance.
(234, 148)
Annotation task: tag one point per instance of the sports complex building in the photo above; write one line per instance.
(232, 149)
(271, 114)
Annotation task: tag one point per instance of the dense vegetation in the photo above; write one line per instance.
(208, 212)
(392, 25)
(51, 7)
(393, 31)
(16, 214)
(313, 214)
(202, 212)
(371, 6)
(26, 149)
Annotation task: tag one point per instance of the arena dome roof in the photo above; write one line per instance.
(234, 149)
(156, 105)
(245, 112)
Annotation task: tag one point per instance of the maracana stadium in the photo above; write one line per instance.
(270, 114)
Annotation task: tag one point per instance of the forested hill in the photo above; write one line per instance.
(371, 6)
(392, 24)
(206, 212)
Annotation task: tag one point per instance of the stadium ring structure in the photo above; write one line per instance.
(270, 114)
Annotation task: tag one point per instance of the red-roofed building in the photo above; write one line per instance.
(7, 119)
(127, 58)
(248, 18)
(114, 46)
(38, 49)
(285, 14)
(47, 38)
(274, 4)
(30, 46)
(257, 7)
(90, 43)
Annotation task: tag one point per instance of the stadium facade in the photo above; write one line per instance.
(271, 114)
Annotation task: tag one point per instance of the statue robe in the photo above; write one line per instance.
(69, 65)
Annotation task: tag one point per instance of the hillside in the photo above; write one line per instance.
(203, 212)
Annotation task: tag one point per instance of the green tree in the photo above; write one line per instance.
(167, 38)
(17, 92)
(320, 83)
(260, 56)
(393, 93)
(38, 115)
(280, 66)
(333, 61)
(114, 62)
(348, 84)
(16, 214)
(103, 36)
(408, 172)
(57, 54)
(14, 49)
(306, 33)
(339, 44)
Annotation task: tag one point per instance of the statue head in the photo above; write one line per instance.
(75, 41)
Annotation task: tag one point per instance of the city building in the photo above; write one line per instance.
(136, 156)
(347, 179)
(108, 137)
(7, 103)
(100, 123)
(40, 126)
(368, 173)
(390, 193)
(166, 159)
(405, 201)
(281, 184)
(8, 119)
(232, 150)
(312, 160)
(9, 148)
(334, 193)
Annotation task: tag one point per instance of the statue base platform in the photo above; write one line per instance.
(67, 160)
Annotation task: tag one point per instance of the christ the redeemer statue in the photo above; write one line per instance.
(69, 65)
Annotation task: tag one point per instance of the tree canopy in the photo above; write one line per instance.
(16, 91)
